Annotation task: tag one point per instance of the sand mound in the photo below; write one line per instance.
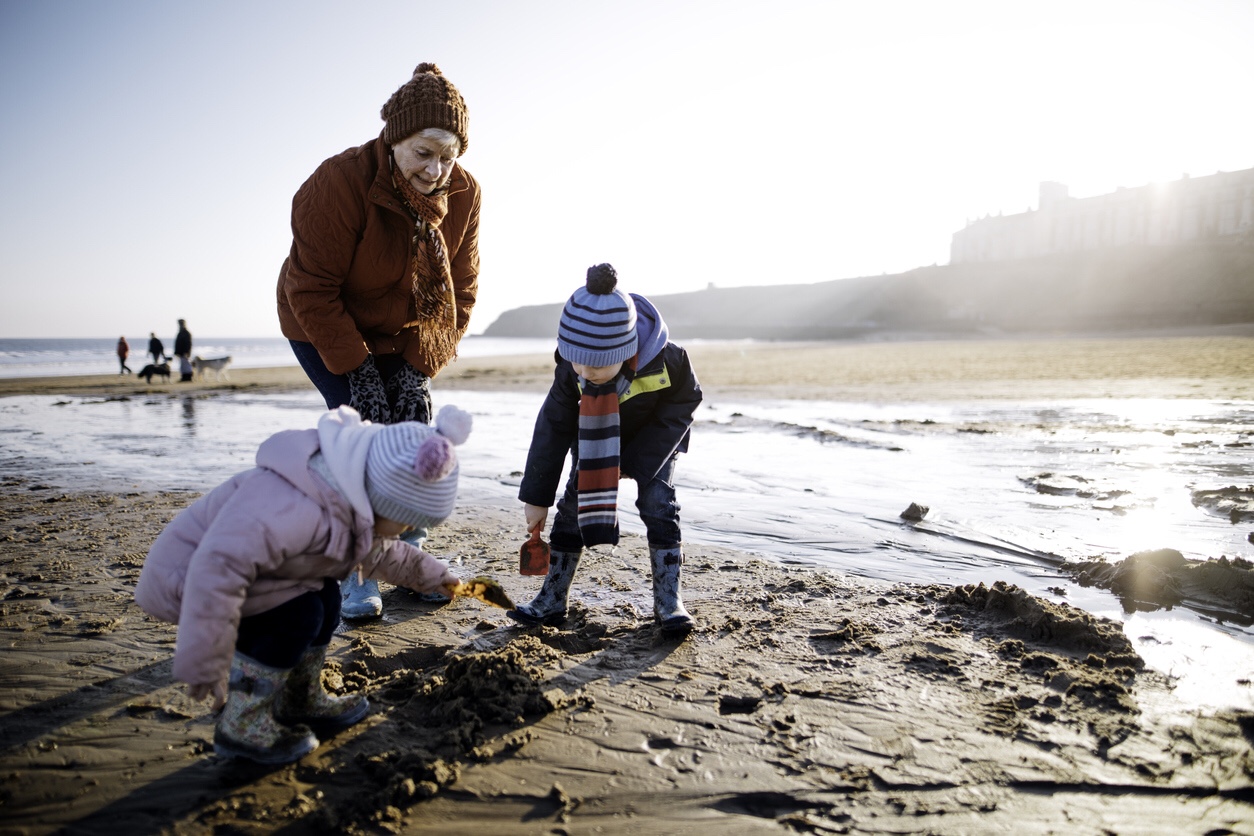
(1166, 578)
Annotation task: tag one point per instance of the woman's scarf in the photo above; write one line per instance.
(598, 446)
(432, 276)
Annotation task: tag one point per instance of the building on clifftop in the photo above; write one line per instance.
(1182, 211)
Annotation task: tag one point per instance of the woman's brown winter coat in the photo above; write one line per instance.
(346, 287)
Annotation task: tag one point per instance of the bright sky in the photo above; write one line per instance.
(151, 149)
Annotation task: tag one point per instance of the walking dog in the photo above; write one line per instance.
(150, 371)
(217, 365)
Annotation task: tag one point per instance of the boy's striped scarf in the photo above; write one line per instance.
(598, 463)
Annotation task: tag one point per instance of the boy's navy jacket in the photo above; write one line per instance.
(655, 407)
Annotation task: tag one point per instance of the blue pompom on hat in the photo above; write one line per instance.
(598, 324)
(411, 469)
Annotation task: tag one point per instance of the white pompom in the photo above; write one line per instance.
(454, 424)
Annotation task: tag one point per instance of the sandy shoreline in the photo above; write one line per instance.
(805, 702)
(1209, 367)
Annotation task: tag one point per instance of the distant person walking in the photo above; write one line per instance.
(183, 351)
(156, 348)
(124, 351)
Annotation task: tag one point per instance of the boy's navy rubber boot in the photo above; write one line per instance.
(668, 606)
(549, 607)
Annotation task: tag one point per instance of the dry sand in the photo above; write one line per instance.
(1220, 366)
(803, 703)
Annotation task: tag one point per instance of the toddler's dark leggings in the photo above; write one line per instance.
(279, 637)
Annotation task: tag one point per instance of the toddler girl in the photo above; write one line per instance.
(250, 571)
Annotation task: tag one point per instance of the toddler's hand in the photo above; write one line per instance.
(449, 582)
(202, 690)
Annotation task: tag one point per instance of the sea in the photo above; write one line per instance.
(1014, 489)
(98, 355)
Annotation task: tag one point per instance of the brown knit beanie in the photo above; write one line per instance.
(428, 100)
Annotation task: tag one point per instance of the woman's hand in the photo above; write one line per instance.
(201, 690)
(366, 393)
(410, 390)
(536, 516)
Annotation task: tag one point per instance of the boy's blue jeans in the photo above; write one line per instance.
(656, 502)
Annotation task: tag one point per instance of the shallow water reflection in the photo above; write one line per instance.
(189, 416)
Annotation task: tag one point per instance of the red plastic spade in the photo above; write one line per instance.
(533, 557)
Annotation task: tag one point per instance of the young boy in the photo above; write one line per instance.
(249, 571)
(622, 404)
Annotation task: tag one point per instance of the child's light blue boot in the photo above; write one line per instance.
(360, 599)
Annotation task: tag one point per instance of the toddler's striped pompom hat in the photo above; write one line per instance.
(598, 324)
(411, 469)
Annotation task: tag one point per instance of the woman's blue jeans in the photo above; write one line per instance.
(334, 390)
(656, 502)
(334, 387)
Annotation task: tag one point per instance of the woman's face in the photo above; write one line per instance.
(426, 159)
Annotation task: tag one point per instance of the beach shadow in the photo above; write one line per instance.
(620, 652)
(39, 719)
(399, 606)
(451, 707)
(415, 751)
(161, 804)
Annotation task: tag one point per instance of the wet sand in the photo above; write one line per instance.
(804, 702)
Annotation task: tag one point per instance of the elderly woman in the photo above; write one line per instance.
(377, 291)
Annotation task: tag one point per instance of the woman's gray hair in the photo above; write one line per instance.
(441, 135)
(438, 134)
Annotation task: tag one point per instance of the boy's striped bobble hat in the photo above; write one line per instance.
(598, 324)
(412, 470)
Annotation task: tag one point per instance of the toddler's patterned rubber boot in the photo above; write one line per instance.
(304, 699)
(360, 599)
(247, 727)
(668, 607)
(549, 607)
